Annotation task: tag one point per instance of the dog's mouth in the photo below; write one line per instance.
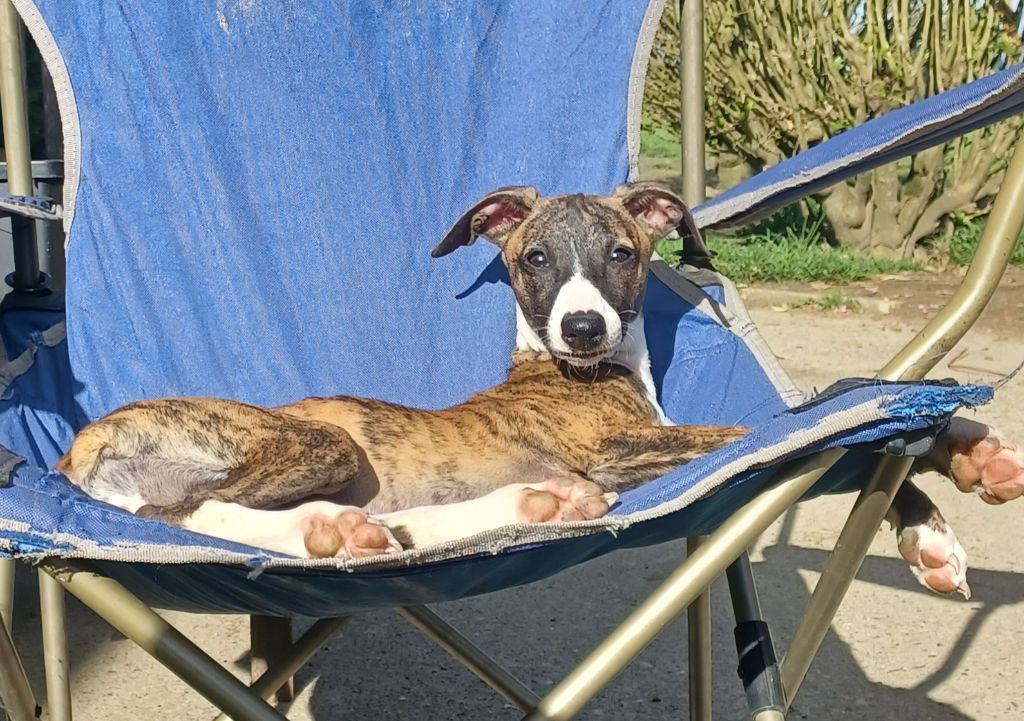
(562, 352)
(583, 359)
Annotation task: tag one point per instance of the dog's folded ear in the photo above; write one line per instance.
(657, 207)
(494, 217)
(662, 211)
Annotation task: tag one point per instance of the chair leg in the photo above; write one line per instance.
(270, 640)
(758, 667)
(16, 700)
(112, 602)
(304, 648)
(854, 540)
(55, 649)
(679, 590)
(465, 652)
(698, 625)
(6, 592)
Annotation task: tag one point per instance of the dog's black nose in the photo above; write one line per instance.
(583, 330)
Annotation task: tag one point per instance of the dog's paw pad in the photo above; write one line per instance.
(563, 500)
(936, 558)
(987, 464)
(349, 534)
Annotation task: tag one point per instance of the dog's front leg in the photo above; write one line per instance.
(631, 457)
(318, 529)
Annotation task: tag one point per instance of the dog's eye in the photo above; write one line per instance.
(538, 259)
(621, 255)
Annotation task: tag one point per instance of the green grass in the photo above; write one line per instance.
(758, 260)
(658, 144)
(964, 242)
(789, 247)
(832, 300)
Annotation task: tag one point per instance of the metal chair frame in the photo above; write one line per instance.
(723, 551)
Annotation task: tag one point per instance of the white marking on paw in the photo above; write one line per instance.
(283, 531)
(431, 525)
(936, 558)
(130, 502)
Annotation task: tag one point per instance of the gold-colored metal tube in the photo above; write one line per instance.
(15, 694)
(679, 590)
(155, 636)
(6, 592)
(691, 124)
(55, 649)
(843, 564)
(945, 330)
(698, 647)
(691, 58)
(465, 652)
(304, 648)
(19, 182)
(12, 98)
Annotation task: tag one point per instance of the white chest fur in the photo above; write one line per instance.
(632, 353)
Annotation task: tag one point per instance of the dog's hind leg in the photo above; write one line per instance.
(163, 458)
(128, 461)
(563, 499)
(978, 459)
(317, 529)
(635, 456)
(303, 459)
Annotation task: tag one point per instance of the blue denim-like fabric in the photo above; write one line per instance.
(261, 186)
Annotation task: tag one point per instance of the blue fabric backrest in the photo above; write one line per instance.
(261, 185)
(704, 372)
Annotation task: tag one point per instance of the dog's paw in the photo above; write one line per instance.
(171, 514)
(562, 500)
(982, 461)
(348, 534)
(936, 558)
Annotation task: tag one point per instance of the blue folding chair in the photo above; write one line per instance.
(252, 188)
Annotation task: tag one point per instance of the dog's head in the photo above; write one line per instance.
(577, 263)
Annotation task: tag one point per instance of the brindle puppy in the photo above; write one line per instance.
(577, 418)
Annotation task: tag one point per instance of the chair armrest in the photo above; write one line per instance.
(29, 207)
(889, 137)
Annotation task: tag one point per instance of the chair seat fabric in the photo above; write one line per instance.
(41, 515)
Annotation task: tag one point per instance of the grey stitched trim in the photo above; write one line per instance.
(52, 336)
(488, 543)
(637, 78)
(769, 362)
(54, 61)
